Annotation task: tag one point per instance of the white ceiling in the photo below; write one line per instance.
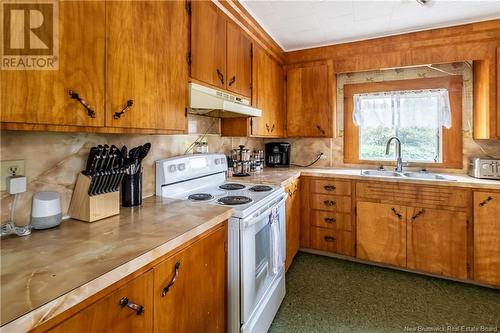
(304, 24)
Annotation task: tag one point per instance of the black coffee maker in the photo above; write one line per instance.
(278, 154)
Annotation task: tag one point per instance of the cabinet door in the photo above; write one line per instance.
(190, 287)
(437, 241)
(239, 61)
(381, 233)
(292, 221)
(268, 95)
(41, 96)
(111, 314)
(487, 238)
(309, 98)
(147, 44)
(208, 44)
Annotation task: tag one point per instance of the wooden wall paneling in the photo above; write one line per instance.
(146, 63)
(452, 137)
(32, 97)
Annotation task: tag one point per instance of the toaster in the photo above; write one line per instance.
(484, 168)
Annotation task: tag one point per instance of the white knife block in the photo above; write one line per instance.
(92, 208)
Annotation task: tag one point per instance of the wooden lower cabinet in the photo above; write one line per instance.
(437, 241)
(487, 237)
(186, 292)
(292, 221)
(107, 315)
(381, 233)
(190, 288)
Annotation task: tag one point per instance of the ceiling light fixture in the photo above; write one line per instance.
(422, 2)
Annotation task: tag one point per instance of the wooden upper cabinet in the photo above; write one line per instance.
(310, 100)
(437, 241)
(239, 61)
(146, 67)
(268, 95)
(208, 44)
(381, 233)
(114, 313)
(41, 96)
(487, 238)
(190, 287)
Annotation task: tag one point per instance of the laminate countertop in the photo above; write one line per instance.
(50, 271)
(282, 176)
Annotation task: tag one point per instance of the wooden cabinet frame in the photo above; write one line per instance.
(452, 138)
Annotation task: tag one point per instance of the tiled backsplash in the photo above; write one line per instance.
(53, 160)
(305, 150)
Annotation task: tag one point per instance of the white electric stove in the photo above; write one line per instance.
(256, 287)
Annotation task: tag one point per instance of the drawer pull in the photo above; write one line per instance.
(396, 213)
(171, 283)
(330, 220)
(127, 107)
(139, 309)
(329, 239)
(329, 203)
(484, 202)
(74, 95)
(420, 212)
(330, 188)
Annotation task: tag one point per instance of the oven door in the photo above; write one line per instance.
(256, 275)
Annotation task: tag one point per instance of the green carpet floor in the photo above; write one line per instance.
(330, 295)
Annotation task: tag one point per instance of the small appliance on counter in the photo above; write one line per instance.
(46, 210)
(278, 154)
(241, 162)
(484, 168)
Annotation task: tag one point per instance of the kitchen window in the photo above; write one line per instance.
(425, 114)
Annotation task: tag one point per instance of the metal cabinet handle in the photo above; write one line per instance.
(330, 220)
(171, 283)
(330, 188)
(329, 203)
(231, 82)
(396, 213)
(220, 75)
(329, 239)
(420, 212)
(320, 129)
(272, 128)
(74, 95)
(484, 202)
(128, 106)
(139, 309)
(267, 127)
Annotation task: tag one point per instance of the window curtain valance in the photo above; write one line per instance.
(402, 109)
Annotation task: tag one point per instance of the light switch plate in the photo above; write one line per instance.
(10, 168)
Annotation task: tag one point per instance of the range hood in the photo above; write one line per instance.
(220, 104)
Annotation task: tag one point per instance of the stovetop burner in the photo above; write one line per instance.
(232, 186)
(200, 197)
(261, 188)
(233, 200)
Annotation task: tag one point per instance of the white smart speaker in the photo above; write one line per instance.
(46, 210)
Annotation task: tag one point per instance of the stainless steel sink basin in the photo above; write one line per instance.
(381, 173)
(426, 175)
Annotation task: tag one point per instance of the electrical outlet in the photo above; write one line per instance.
(10, 168)
(323, 157)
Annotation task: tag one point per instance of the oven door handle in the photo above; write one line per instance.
(257, 216)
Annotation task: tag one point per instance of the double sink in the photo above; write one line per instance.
(409, 175)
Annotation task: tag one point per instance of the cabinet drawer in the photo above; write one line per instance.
(331, 203)
(331, 186)
(129, 309)
(331, 220)
(332, 241)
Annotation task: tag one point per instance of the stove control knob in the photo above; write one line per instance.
(172, 168)
(181, 167)
(217, 161)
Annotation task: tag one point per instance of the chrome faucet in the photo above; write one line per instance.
(399, 161)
